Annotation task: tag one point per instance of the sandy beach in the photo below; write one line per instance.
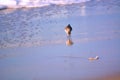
(34, 45)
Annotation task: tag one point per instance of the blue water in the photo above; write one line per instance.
(33, 42)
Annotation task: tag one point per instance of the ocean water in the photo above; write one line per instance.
(36, 3)
(34, 46)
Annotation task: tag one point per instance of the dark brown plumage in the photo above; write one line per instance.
(68, 29)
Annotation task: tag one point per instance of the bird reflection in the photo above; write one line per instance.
(69, 41)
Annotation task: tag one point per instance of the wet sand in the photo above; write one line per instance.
(34, 46)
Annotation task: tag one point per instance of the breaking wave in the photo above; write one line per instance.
(35, 3)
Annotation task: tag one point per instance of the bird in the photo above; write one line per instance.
(68, 30)
(95, 58)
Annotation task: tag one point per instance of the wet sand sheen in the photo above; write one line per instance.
(34, 46)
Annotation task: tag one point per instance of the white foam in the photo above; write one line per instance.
(9, 3)
(36, 3)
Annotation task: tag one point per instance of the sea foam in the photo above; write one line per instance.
(36, 3)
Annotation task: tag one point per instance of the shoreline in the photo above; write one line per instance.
(34, 45)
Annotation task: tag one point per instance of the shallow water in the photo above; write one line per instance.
(34, 46)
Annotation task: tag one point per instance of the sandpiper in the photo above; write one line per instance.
(68, 29)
